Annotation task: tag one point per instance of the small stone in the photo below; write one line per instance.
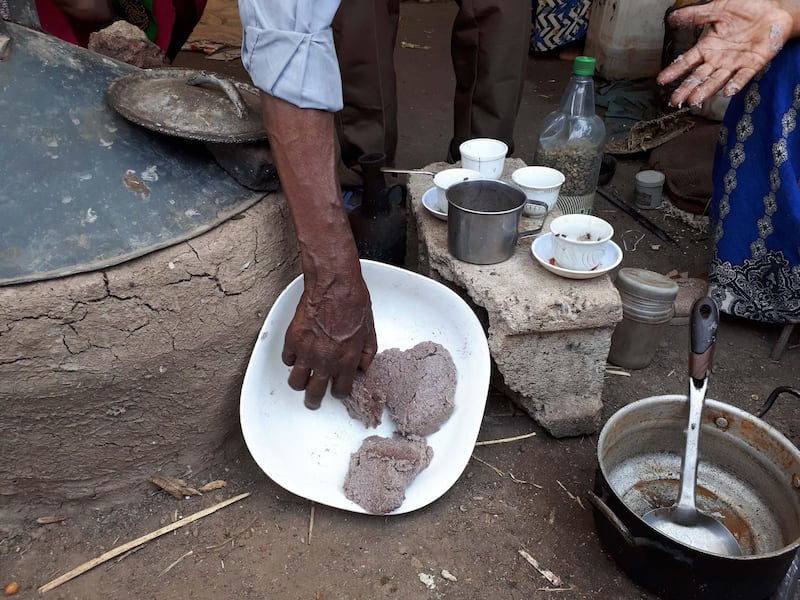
(427, 580)
(127, 43)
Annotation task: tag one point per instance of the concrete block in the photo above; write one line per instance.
(549, 336)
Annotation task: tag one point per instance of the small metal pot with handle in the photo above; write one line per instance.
(483, 220)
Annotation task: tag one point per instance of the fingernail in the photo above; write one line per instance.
(312, 404)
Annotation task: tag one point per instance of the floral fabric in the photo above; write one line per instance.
(755, 209)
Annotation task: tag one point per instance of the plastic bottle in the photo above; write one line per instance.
(572, 139)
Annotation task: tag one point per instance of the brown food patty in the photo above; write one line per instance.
(381, 470)
(417, 385)
(422, 387)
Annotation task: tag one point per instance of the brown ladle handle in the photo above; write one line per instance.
(703, 335)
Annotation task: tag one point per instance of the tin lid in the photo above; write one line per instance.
(196, 105)
(647, 285)
(650, 178)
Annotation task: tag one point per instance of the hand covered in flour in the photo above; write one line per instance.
(741, 37)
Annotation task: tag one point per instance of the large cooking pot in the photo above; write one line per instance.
(748, 478)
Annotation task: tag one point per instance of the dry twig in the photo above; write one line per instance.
(506, 440)
(546, 573)
(571, 495)
(504, 474)
(175, 487)
(213, 485)
(490, 465)
(50, 519)
(233, 536)
(311, 524)
(165, 571)
(114, 552)
(123, 557)
(616, 372)
(559, 589)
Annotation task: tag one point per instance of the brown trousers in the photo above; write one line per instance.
(489, 49)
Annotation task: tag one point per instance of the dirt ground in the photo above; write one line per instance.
(528, 495)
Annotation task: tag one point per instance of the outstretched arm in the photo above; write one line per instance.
(741, 38)
(332, 333)
(289, 52)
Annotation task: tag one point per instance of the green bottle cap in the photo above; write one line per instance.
(583, 65)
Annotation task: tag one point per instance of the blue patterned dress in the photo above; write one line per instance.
(755, 209)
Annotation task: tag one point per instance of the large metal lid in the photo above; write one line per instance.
(83, 188)
(196, 105)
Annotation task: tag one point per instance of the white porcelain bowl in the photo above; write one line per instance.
(579, 241)
(538, 183)
(485, 155)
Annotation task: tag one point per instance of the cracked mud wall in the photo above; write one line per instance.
(109, 377)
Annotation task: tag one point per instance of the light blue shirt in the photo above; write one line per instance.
(288, 50)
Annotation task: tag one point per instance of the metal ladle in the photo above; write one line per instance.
(682, 521)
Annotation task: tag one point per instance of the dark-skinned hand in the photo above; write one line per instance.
(332, 334)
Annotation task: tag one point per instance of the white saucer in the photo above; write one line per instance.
(542, 250)
(429, 202)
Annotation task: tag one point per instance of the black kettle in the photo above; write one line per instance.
(379, 222)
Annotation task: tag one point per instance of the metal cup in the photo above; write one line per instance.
(483, 220)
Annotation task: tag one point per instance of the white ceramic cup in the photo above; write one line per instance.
(444, 179)
(579, 241)
(538, 183)
(485, 155)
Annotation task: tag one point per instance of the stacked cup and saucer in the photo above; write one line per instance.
(578, 246)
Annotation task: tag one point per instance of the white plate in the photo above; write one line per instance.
(542, 250)
(308, 452)
(429, 201)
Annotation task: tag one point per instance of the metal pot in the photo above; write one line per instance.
(748, 478)
(483, 220)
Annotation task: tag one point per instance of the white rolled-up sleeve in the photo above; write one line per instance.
(288, 50)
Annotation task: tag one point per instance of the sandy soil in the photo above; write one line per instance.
(528, 495)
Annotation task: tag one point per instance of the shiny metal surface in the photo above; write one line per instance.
(483, 220)
(682, 521)
(744, 478)
(83, 188)
(195, 105)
